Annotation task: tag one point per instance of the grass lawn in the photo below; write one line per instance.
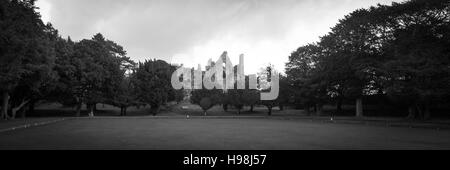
(286, 130)
(217, 134)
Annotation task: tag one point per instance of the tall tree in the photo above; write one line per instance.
(307, 77)
(417, 70)
(25, 53)
(90, 71)
(153, 83)
(400, 50)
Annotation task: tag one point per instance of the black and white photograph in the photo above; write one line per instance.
(224, 75)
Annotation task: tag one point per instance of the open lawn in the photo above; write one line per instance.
(52, 127)
(217, 134)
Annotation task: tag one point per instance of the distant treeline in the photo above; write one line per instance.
(399, 53)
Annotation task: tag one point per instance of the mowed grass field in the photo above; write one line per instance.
(53, 127)
(217, 134)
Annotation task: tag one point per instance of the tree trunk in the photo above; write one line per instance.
(319, 110)
(5, 104)
(14, 110)
(155, 109)
(91, 110)
(359, 107)
(411, 112)
(270, 110)
(23, 113)
(281, 107)
(78, 110)
(158, 109)
(419, 112)
(306, 110)
(31, 107)
(225, 108)
(123, 111)
(252, 108)
(339, 106)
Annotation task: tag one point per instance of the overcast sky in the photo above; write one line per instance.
(192, 31)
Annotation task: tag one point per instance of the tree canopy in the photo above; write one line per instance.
(399, 50)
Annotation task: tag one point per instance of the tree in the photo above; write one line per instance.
(252, 97)
(264, 81)
(239, 98)
(286, 92)
(206, 98)
(124, 95)
(307, 77)
(417, 72)
(90, 71)
(353, 44)
(375, 45)
(26, 55)
(399, 50)
(153, 83)
(68, 86)
(206, 104)
(210, 97)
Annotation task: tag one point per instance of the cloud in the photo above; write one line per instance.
(192, 31)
